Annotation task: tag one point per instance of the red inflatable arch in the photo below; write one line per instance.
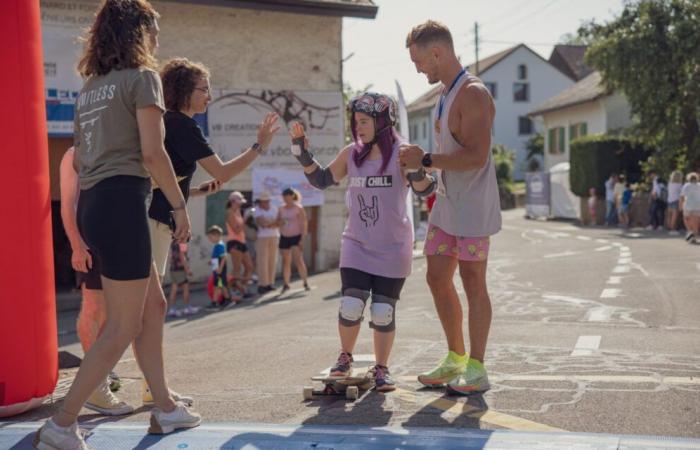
(28, 342)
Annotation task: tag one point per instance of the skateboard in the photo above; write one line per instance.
(349, 387)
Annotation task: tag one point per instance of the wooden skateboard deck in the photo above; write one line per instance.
(349, 387)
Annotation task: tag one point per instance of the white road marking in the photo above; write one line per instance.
(641, 269)
(633, 235)
(586, 345)
(614, 280)
(624, 248)
(610, 293)
(602, 249)
(602, 241)
(617, 244)
(600, 314)
(559, 255)
(624, 261)
(625, 255)
(566, 299)
(583, 238)
(621, 269)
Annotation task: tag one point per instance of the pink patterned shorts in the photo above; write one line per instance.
(438, 242)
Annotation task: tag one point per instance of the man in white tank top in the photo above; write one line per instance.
(467, 208)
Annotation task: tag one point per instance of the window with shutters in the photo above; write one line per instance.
(556, 138)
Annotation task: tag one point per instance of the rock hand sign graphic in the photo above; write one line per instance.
(369, 214)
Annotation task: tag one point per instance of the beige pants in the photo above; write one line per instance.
(266, 255)
(161, 238)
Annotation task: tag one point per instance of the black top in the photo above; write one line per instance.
(185, 144)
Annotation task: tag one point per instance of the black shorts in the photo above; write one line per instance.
(113, 221)
(91, 279)
(357, 279)
(287, 242)
(236, 245)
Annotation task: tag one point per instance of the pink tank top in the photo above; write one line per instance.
(232, 235)
(378, 236)
(291, 222)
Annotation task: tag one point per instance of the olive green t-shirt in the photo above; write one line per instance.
(106, 132)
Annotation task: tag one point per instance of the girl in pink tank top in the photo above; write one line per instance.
(293, 228)
(376, 246)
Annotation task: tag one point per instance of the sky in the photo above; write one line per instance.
(375, 51)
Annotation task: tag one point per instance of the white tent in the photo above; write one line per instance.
(564, 204)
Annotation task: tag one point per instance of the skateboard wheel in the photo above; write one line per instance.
(308, 393)
(352, 393)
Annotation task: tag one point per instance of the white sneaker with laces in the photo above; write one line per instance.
(52, 437)
(180, 417)
(147, 397)
(105, 402)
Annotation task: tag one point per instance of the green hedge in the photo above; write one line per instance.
(594, 158)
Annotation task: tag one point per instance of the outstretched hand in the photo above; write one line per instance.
(268, 129)
(297, 132)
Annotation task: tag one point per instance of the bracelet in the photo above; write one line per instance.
(257, 147)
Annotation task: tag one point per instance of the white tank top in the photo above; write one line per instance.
(467, 203)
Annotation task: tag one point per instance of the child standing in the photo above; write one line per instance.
(625, 206)
(179, 272)
(218, 267)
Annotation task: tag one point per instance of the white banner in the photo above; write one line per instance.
(274, 181)
(61, 25)
(234, 117)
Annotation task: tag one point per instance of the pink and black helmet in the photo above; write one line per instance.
(374, 105)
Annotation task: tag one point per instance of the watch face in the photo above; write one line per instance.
(427, 160)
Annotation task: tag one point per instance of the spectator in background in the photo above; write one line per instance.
(266, 245)
(251, 234)
(218, 267)
(625, 205)
(610, 212)
(652, 194)
(674, 196)
(293, 227)
(179, 273)
(660, 199)
(592, 206)
(690, 205)
(619, 189)
(236, 245)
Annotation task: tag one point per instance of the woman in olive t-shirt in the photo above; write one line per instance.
(119, 146)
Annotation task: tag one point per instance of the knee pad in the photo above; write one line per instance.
(383, 313)
(352, 305)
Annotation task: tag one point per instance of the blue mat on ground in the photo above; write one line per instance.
(260, 436)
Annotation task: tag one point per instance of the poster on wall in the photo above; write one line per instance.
(62, 22)
(274, 181)
(234, 116)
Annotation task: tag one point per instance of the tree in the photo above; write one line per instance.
(651, 54)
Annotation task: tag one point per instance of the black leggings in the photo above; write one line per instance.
(357, 279)
(113, 221)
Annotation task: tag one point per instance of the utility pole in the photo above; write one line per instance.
(476, 46)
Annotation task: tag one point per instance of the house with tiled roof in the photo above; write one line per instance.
(518, 78)
(585, 108)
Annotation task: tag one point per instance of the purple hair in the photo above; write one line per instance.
(385, 140)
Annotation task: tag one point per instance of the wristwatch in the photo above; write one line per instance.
(427, 160)
(257, 147)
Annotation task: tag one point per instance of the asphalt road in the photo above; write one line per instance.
(594, 330)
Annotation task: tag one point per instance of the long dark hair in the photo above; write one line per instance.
(386, 138)
(118, 39)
